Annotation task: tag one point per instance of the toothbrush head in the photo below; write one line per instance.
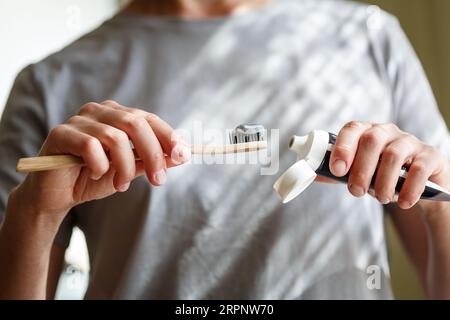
(248, 133)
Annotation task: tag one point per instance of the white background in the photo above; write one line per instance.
(30, 30)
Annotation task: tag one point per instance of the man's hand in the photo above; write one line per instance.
(101, 135)
(361, 147)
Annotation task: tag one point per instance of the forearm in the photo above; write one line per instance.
(25, 244)
(436, 217)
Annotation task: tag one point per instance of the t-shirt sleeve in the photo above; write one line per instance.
(23, 129)
(414, 107)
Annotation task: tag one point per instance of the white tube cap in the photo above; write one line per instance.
(294, 181)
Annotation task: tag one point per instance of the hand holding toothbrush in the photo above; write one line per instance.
(100, 135)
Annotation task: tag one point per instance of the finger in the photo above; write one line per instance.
(371, 143)
(169, 162)
(441, 173)
(345, 148)
(65, 139)
(140, 168)
(393, 157)
(423, 166)
(144, 140)
(171, 143)
(106, 185)
(117, 144)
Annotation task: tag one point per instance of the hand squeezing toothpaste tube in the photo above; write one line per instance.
(314, 152)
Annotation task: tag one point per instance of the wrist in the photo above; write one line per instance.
(22, 210)
(435, 214)
(26, 240)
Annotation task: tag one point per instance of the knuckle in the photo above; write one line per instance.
(89, 107)
(353, 125)
(109, 102)
(394, 127)
(409, 143)
(418, 167)
(152, 116)
(74, 119)
(383, 130)
(432, 153)
(391, 154)
(439, 157)
(410, 139)
(389, 127)
(132, 122)
(90, 144)
(134, 110)
(371, 138)
(141, 123)
(114, 137)
(57, 131)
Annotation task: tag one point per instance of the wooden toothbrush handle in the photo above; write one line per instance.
(48, 163)
(54, 162)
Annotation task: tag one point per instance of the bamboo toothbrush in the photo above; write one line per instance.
(245, 138)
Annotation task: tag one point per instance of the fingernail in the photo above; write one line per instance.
(384, 200)
(160, 177)
(96, 178)
(181, 153)
(123, 187)
(404, 204)
(178, 137)
(357, 190)
(93, 176)
(339, 167)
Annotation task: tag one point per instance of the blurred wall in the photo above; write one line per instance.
(31, 30)
(427, 24)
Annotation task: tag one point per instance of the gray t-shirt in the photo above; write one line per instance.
(219, 231)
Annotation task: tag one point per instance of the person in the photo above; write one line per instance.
(219, 231)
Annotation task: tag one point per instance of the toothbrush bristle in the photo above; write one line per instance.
(247, 133)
